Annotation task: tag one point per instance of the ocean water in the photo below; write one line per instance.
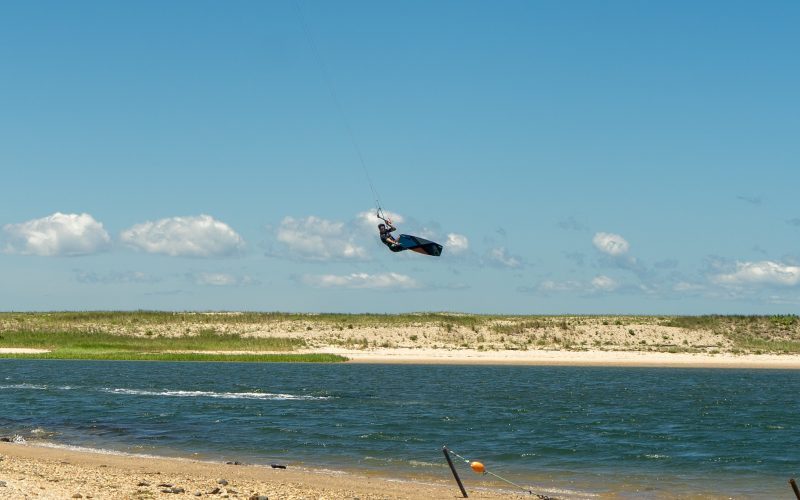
(570, 432)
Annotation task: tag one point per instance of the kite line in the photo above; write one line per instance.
(342, 115)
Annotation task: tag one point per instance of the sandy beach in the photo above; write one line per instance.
(570, 358)
(28, 471)
(537, 357)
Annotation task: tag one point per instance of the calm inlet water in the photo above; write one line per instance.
(567, 431)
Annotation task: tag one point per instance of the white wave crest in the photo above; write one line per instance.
(32, 387)
(209, 394)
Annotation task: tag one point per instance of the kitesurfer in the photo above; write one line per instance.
(387, 238)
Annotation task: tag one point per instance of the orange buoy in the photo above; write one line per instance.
(478, 467)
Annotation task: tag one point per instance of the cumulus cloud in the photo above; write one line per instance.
(499, 256)
(611, 244)
(456, 243)
(368, 219)
(314, 238)
(114, 277)
(384, 281)
(600, 283)
(604, 283)
(198, 236)
(56, 235)
(760, 273)
(560, 286)
(221, 279)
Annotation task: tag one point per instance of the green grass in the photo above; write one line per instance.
(769, 346)
(100, 345)
(90, 354)
(694, 322)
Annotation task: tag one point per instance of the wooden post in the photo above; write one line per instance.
(794, 487)
(455, 472)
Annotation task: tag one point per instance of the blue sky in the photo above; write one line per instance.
(573, 157)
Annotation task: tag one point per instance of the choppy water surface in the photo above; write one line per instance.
(583, 432)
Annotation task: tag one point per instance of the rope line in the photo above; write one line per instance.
(332, 89)
(468, 462)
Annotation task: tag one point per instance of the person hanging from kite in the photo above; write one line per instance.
(405, 241)
(387, 238)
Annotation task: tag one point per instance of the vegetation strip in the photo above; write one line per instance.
(134, 334)
(156, 356)
(206, 340)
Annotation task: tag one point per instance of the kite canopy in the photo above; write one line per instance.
(413, 243)
(419, 245)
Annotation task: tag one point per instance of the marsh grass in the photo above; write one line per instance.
(98, 355)
(101, 345)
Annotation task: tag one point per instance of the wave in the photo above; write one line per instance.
(16, 438)
(42, 433)
(35, 387)
(104, 451)
(32, 387)
(210, 394)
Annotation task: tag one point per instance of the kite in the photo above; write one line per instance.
(406, 241)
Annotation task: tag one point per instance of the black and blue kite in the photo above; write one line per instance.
(405, 241)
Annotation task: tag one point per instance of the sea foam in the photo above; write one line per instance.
(32, 387)
(210, 394)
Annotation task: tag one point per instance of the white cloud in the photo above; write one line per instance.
(197, 236)
(500, 256)
(604, 283)
(559, 286)
(315, 238)
(114, 277)
(600, 283)
(368, 219)
(456, 243)
(221, 279)
(763, 273)
(361, 280)
(56, 235)
(611, 244)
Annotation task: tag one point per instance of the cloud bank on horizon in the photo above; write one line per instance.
(317, 241)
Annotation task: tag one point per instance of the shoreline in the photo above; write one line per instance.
(540, 357)
(61, 472)
(569, 358)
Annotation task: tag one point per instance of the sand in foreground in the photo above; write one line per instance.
(53, 473)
